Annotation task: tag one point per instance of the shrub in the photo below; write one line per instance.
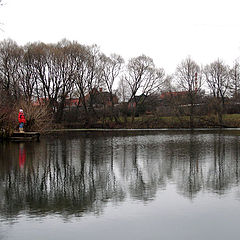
(38, 118)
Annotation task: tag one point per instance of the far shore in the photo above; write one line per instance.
(231, 122)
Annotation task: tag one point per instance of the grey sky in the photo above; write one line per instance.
(166, 30)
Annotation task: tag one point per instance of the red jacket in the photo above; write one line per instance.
(21, 118)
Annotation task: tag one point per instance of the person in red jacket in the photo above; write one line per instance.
(21, 120)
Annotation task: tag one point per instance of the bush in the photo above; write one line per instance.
(38, 118)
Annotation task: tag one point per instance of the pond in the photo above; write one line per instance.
(169, 184)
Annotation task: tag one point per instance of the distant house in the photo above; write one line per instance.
(148, 104)
(41, 101)
(167, 95)
(100, 98)
(136, 100)
(72, 102)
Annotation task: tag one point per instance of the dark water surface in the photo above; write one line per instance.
(121, 185)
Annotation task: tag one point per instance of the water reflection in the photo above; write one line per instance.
(22, 154)
(80, 174)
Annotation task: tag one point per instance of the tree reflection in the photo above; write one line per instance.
(77, 175)
(190, 178)
(224, 170)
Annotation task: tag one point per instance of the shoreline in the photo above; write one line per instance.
(126, 132)
(136, 129)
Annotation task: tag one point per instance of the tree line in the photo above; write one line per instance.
(55, 73)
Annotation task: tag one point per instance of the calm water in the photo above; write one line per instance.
(145, 185)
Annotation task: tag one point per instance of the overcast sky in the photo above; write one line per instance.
(166, 30)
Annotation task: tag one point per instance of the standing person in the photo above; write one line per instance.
(21, 120)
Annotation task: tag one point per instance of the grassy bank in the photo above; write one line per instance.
(146, 121)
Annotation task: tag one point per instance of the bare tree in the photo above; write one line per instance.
(110, 71)
(28, 74)
(46, 88)
(93, 77)
(81, 74)
(235, 80)
(54, 70)
(65, 68)
(218, 80)
(88, 80)
(143, 79)
(188, 76)
(167, 85)
(123, 92)
(10, 58)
